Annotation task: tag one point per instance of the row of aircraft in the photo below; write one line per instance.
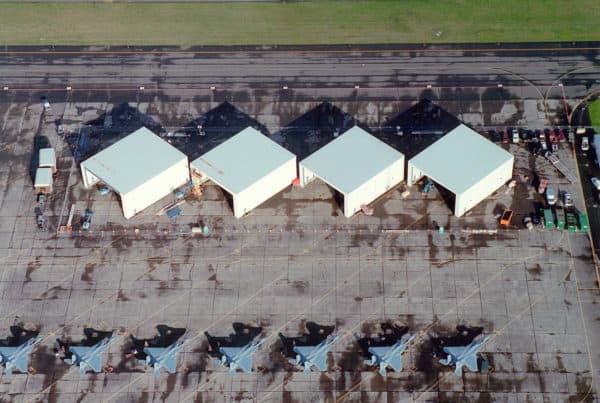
(235, 351)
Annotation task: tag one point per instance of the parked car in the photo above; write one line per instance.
(45, 102)
(506, 217)
(493, 135)
(527, 222)
(585, 143)
(535, 219)
(550, 196)
(596, 183)
(515, 136)
(542, 185)
(567, 199)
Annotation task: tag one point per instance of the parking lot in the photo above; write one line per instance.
(295, 258)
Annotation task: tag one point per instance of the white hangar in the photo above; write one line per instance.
(465, 163)
(249, 166)
(357, 165)
(141, 168)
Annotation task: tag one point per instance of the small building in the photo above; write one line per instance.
(466, 164)
(357, 165)
(141, 168)
(47, 158)
(43, 180)
(249, 166)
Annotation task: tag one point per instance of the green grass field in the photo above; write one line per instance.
(594, 110)
(319, 22)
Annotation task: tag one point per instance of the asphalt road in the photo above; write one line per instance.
(372, 68)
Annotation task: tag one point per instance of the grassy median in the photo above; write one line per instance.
(594, 110)
(319, 22)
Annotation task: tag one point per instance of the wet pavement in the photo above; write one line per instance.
(294, 259)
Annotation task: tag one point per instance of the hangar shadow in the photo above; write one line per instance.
(107, 129)
(417, 128)
(39, 142)
(313, 130)
(211, 129)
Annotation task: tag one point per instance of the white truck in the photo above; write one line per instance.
(596, 144)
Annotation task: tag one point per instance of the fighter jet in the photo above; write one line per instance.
(389, 356)
(453, 347)
(388, 342)
(15, 349)
(311, 348)
(88, 352)
(159, 351)
(239, 357)
(316, 334)
(236, 350)
(386, 348)
(466, 356)
(316, 356)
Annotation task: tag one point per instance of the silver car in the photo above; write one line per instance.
(567, 199)
(550, 196)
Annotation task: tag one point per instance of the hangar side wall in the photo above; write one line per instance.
(155, 189)
(482, 189)
(264, 188)
(414, 174)
(374, 187)
(306, 175)
(89, 179)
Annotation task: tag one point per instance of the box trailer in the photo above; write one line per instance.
(560, 218)
(597, 148)
(571, 222)
(43, 180)
(548, 218)
(47, 159)
(584, 225)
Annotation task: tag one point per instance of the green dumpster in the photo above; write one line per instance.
(571, 222)
(560, 218)
(584, 225)
(548, 218)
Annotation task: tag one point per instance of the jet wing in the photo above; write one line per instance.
(471, 362)
(94, 362)
(80, 352)
(6, 352)
(21, 363)
(379, 351)
(230, 352)
(394, 361)
(304, 351)
(155, 353)
(455, 351)
(321, 362)
(246, 364)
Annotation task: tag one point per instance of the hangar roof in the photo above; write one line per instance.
(352, 159)
(43, 177)
(460, 159)
(133, 160)
(242, 160)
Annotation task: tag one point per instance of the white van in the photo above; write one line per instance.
(585, 143)
(550, 196)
